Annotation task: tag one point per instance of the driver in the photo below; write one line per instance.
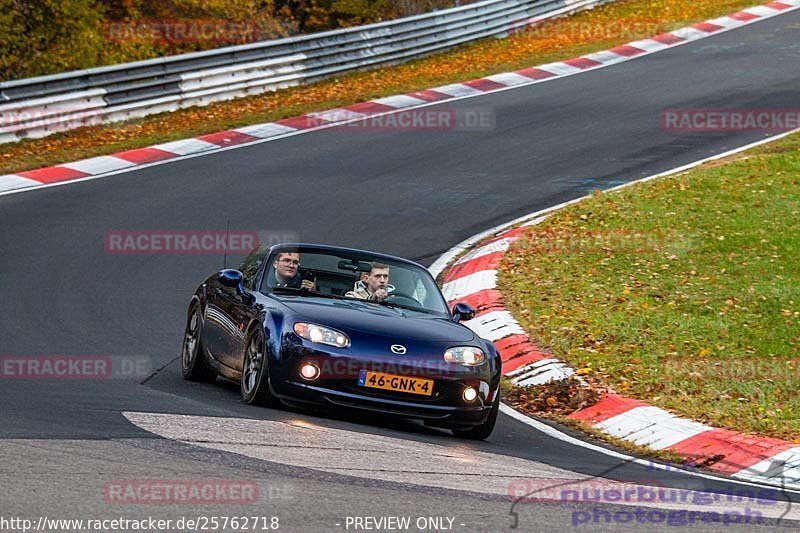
(287, 272)
(375, 286)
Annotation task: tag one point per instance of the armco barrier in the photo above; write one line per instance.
(36, 107)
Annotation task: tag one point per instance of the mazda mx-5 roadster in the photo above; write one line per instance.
(321, 326)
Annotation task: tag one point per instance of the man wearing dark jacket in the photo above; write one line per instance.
(287, 273)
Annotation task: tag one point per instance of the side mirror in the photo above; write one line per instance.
(231, 278)
(462, 312)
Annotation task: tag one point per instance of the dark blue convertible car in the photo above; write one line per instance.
(313, 325)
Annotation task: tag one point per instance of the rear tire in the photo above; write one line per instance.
(194, 365)
(485, 429)
(255, 372)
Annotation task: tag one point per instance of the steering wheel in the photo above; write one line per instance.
(404, 296)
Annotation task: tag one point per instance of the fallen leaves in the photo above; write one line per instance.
(560, 397)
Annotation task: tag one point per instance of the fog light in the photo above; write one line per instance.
(470, 394)
(309, 371)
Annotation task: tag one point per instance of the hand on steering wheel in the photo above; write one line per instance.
(398, 294)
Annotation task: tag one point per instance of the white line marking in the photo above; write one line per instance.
(539, 374)
(651, 426)
(494, 325)
(457, 89)
(777, 468)
(338, 115)
(559, 68)
(509, 79)
(690, 33)
(400, 101)
(518, 372)
(726, 22)
(649, 45)
(12, 181)
(262, 131)
(469, 284)
(761, 11)
(500, 245)
(606, 57)
(186, 146)
(99, 165)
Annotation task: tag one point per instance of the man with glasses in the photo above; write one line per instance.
(287, 273)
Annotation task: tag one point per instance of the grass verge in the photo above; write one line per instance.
(683, 291)
(599, 29)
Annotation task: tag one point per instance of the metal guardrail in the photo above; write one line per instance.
(36, 107)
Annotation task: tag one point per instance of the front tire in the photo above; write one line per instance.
(194, 365)
(485, 429)
(255, 372)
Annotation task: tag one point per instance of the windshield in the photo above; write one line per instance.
(345, 275)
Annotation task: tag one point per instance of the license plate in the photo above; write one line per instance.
(379, 380)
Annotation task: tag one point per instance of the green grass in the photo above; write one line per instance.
(684, 291)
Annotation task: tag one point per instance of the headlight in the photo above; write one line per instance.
(465, 355)
(322, 335)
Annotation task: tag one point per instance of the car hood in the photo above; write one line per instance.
(352, 316)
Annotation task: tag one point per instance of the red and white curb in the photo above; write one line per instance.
(470, 276)
(161, 153)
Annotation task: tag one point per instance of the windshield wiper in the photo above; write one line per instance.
(409, 307)
(396, 305)
(304, 292)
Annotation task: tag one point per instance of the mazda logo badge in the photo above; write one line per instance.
(399, 349)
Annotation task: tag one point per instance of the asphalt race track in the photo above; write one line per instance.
(413, 194)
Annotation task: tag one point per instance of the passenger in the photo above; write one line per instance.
(375, 286)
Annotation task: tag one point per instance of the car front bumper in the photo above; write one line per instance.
(338, 385)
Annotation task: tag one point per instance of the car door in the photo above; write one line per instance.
(219, 330)
(241, 308)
